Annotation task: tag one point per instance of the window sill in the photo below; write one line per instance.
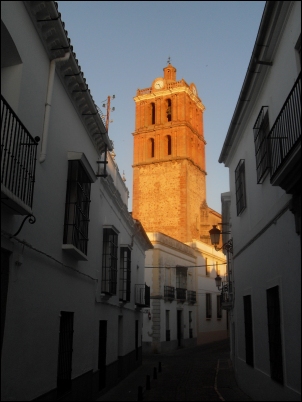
(74, 252)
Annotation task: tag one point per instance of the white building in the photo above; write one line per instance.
(262, 150)
(72, 282)
(185, 303)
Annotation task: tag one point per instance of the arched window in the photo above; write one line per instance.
(169, 109)
(168, 145)
(151, 148)
(152, 113)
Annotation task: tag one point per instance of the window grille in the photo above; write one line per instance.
(274, 334)
(77, 207)
(240, 187)
(65, 353)
(109, 263)
(219, 310)
(261, 130)
(125, 274)
(208, 305)
(248, 325)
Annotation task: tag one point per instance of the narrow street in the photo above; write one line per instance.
(201, 373)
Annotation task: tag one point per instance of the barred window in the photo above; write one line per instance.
(77, 206)
(208, 305)
(219, 310)
(240, 186)
(125, 274)
(261, 131)
(109, 263)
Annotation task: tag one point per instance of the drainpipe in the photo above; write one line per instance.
(52, 70)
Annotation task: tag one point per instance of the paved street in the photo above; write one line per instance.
(201, 373)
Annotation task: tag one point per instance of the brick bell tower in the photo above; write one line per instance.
(169, 183)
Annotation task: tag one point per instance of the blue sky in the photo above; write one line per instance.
(123, 46)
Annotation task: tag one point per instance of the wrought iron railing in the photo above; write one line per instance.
(18, 156)
(142, 295)
(169, 292)
(181, 294)
(286, 131)
(191, 296)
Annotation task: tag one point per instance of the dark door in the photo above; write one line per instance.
(102, 353)
(179, 327)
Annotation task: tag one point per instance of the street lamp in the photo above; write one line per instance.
(215, 237)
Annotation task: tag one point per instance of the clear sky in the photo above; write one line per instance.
(123, 46)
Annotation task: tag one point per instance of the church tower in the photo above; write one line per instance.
(169, 176)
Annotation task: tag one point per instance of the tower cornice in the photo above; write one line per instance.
(148, 94)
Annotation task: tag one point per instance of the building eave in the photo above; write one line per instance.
(261, 59)
(51, 29)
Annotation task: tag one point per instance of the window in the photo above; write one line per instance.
(207, 268)
(219, 310)
(261, 130)
(168, 145)
(190, 325)
(240, 187)
(77, 206)
(274, 334)
(169, 109)
(125, 274)
(167, 325)
(109, 263)
(151, 148)
(65, 353)
(208, 305)
(248, 326)
(152, 112)
(181, 283)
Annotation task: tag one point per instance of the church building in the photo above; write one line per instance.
(169, 199)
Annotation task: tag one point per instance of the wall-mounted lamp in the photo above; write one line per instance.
(215, 238)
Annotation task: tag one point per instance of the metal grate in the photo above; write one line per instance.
(18, 155)
(125, 274)
(109, 265)
(169, 292)
(208, 305)
(191, 296)
(286, 131)
(219, 309)
(65, 353)
(261, 130)
(142, 295)
(77, 207)
(240, 187)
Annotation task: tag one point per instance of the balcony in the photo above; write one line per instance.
(142, 295)
(18, 162)
(191, 296)
(181, 295)
(285, 142)
(169, 293)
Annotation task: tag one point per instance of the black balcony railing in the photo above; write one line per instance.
(181, 294)
(142, 295)
(169, 292)
(18, 156)
(191, 296)
(286, 131)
